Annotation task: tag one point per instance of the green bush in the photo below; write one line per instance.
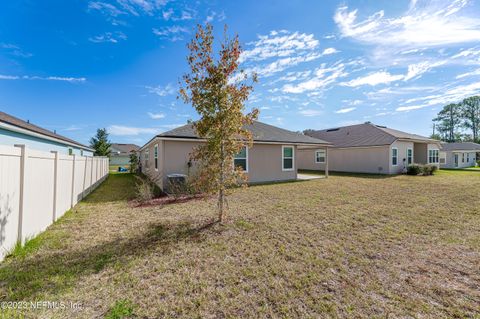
(429, 169)
(414, 169)
(425, 170)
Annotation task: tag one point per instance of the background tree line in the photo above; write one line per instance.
(459, 122)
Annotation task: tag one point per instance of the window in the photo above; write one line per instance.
(70, 151)
(320, 156)
(147, 155)
(468, 157)
(463, 157)
(81, 152)
(241, 159)
(155, 156)
(287, 158)
(409, 156)
(394, 156)
(432, 156)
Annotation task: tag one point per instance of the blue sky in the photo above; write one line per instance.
(74, 66)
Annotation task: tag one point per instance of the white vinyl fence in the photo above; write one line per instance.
(37, 188)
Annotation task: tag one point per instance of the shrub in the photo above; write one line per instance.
(429, 169)
(146, 188)
(478, 163)
(425, 170)
(414, 169)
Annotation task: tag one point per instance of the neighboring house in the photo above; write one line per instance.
(458, 155)
(120, 153)
(369, 148)
(273, 156)
(16, 131)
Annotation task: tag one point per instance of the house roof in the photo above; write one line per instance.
(11, 120)
(364, 135)
(465, 146)
(124, 149)
(261, 133)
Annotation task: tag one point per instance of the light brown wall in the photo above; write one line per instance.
(265, 164)
(402, 156)
(150, 171)
(355, 160)
(264, 161)
(306, 160)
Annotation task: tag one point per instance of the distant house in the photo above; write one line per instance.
(369, 148)
(273, 156)
(120, 153)
(458, 155)
(16, 131)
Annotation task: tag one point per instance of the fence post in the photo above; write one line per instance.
(84, 177)
(23, 162)
(73, 180)
(55, 174)
(91, 176)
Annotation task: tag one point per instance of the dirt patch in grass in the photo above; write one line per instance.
(403, 246)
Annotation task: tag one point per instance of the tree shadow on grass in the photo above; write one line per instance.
(35, 276)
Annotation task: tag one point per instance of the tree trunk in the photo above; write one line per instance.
(221, 193)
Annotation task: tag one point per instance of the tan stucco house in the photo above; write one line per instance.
(273, 156)
(458, 155)
(369, 148)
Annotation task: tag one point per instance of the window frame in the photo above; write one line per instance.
(409, 156)
(324, 156)
(241, 158)
(284, 158)
(468, 158)
(435, 156)
(155, 156)
(396, 156)
(147, 157)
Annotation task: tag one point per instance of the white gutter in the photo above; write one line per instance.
(17, 129)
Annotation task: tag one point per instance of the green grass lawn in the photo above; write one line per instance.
(347, 246)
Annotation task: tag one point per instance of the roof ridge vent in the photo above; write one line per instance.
(333, 129)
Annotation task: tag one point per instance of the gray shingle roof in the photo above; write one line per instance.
(366, 134)
(125, 149)
(9, 119)
(261, 133)
(465, 146)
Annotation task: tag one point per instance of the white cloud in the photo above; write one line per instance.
(15, 50)
(464, 75)
(310, 112)
(381, 77)
(409, 108)
(9, 77)
(161, 90)
(156, 116)
(47, 78)
(120, 130)
(430, 25)
(323, 77)
(329, 51)
(345, 110)
(108, 37)
(105, 8)
(172, 33)
(280, 44)
(415, 70)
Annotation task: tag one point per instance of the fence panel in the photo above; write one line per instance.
(36, 188)
(38, 192)
(10, 160)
